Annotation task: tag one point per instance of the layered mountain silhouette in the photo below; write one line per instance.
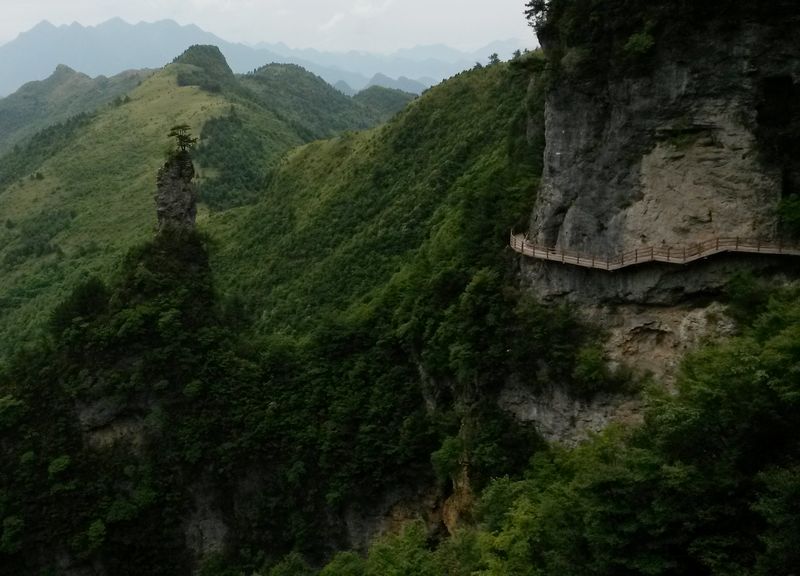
(116, 46)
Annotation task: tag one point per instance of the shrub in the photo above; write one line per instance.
(448, 459)
(345, 564)
(639, 44)
(292, 565)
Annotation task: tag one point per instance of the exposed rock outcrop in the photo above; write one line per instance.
(205, 529)
(655, 338)
(176, 195)
(457, 509)
(560, 418)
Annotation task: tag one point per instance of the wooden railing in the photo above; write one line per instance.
(670, 254)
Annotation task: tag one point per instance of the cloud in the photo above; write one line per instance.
(223, 5)
(335, 20)
(368, 8)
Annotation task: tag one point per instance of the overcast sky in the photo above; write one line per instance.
(371, 25)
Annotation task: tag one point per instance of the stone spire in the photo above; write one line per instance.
(176, 194)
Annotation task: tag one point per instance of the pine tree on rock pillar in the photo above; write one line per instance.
(176, 193)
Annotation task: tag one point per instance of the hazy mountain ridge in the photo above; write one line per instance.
(431, 63)
(115, 45)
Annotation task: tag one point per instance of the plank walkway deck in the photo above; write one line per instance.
(670, 254)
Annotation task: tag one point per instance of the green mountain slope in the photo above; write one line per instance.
(340, 218)
(73, 199)
(64, 94)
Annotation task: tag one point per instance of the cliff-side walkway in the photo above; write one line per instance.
(670, 254)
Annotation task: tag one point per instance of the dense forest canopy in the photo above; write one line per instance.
(598, 37)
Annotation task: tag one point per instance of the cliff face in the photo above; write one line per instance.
(701, 145)
(680, 155)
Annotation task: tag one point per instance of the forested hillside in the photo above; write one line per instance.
(707, 485)
(314, 108)
(323, 422)
(440, 185)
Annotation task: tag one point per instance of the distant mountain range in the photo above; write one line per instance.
(116, 46)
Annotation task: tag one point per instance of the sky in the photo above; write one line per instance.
(369, 25)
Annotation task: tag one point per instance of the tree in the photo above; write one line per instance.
(183, 137)
(494, 59)
(536, 12)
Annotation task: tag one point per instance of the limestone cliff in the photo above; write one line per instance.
(691, 147)
(674, 156)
